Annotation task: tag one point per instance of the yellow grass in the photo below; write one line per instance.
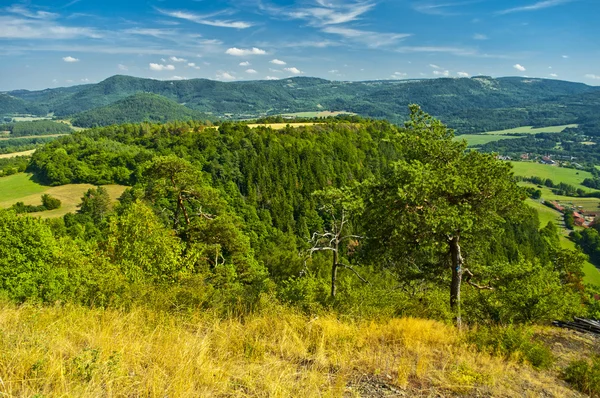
(32, 136)
(280, 126)
(15, 154)
(78, 352)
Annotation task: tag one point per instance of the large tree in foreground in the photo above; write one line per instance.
(434, 199)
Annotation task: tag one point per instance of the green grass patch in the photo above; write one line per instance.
(556, 174)
(18, 186)
(545, 213)
(531, 130)
(474, 140)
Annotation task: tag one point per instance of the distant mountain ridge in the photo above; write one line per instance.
(462, 103)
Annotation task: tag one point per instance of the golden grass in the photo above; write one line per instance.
(77, 352)
(280, 126)
(15, 154)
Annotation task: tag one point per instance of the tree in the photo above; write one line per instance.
(50, 203)
(338, 206)
(95, 203)
(435, 198)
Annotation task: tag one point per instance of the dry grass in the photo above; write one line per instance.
(281, 126)
(15, 154)
(77, 352)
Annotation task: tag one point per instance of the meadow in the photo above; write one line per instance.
(15, 154)
(21, 187)
(281, 126)
(474, 140)
(556, 174)
(71, 351)
(532, 130)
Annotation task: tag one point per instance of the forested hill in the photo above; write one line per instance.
(468, 104)
(141, 107)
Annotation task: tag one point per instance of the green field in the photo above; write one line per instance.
(481, 139)
(531, 130)
(545, 213)
(556, 174)
(21, 188)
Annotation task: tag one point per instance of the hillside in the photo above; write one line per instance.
(12, 105)
(468, 104)
(141, 107)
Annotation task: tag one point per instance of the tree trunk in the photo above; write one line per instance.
(334, 268)
(457, 273)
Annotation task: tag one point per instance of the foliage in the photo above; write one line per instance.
(36, 127)
(584, 376)
(512, 342)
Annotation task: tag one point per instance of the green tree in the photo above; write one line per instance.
(50, 203)
(95, 203)
(436, 197)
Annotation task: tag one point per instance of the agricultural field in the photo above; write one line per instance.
(15, 154)
(317, 114)
(22, 188)
(532, 130)
(280, 126)
(474, 140)
(3, 138)
(556, 174)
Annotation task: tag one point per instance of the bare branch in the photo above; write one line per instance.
(355, 273)
(468, 275)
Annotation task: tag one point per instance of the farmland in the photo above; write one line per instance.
(280, 126)
(22, 188)
(15, 154)
(474, 140)
(556, 174)
(532, 130)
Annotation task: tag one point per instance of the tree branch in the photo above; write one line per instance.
(355, 273)
(467, 278)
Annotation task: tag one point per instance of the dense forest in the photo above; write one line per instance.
(469, 105)
(36, 127)
(356, 216)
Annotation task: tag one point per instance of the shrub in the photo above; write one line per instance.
(584, 376)
(512, 343)
(50, 203)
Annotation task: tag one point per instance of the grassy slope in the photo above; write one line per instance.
(556, 174)
(20, 188)
(480, 139)
(15, 154)
(280, 126)
(78, 352)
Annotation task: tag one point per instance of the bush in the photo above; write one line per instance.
(50, 203)
(584, 376)
(512, 343)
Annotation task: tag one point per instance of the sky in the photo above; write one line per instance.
(47, 44)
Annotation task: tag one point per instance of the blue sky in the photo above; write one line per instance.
(61, 43)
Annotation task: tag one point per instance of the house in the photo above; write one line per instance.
(525, 156)
(547, 160)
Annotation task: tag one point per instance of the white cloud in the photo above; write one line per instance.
(175, 59)
(17, 9)
(479, 36)
(592, 76)
(435, 49)
(334, 71)
(245, 63)
(434, 66)
(325, 12)
(293, 70)
(278, 62)
(122, 67)
(553, 75)
(444, 73)
(159, 33)
(251, 71)
(85, 80)
(193, 65)
(398, 75)
(271, 78)
(177, 78)
(536, 6)
(462, 74)
(160, 67)
(565, 56)
(225, 76)
(519, 67)
(275, 70)
(242, 52)
(70, 59)
(204, 19)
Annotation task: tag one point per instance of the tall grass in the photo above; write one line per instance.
(77, 352)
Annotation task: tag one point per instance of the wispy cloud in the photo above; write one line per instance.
(398, 75)
(434, 66)
(271, 78)
(444, 73)
(325, 12)
(592, 76)
(540, 5)
(243, 52)
(153, 32)
(462, 74)
(225, 76)
(371, 39)
(20, 10)
(251, 71)
(445, 8)
(19, 28)
(122, 67)
(278, 62)
(437, 49)
(479, 36)
(70, 59)
(175, 59)
(193, 65)
(206, 19)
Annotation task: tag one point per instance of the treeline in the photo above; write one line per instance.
(48, 203)
(562, 188)
(22, 144)
(365, 218)
(36, 127)
(10, 166)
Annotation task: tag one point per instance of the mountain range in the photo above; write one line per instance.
(474, 104)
